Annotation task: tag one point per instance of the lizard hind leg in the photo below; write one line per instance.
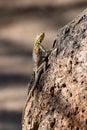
(42, 67)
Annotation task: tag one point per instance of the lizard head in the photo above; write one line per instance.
(39, 38)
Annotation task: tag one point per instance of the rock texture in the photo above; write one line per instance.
(61, 102)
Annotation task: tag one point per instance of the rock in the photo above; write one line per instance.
(61, 102)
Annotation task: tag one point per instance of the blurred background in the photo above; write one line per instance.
(20, 21)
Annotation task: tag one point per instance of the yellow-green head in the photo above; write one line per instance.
(39, 38)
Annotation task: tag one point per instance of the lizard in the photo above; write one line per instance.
(40, 56)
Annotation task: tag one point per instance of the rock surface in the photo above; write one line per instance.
(61, 103)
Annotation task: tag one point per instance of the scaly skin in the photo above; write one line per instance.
(38, 57)
(38, 51)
